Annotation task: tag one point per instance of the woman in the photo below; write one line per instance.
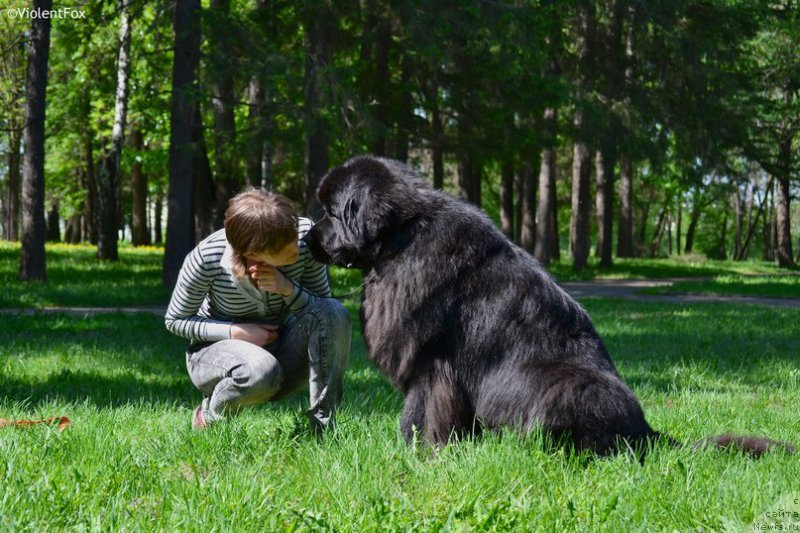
(258, 312)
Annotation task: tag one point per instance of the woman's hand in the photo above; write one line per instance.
(258, 334)
(269, 279)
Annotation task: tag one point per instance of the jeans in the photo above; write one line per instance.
(312, 347)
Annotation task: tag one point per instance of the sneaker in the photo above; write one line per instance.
(198, 420)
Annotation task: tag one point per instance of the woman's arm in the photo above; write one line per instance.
(194, 282)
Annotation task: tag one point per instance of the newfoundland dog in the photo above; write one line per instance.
(469, 327)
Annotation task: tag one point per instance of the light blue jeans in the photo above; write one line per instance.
(312, 347)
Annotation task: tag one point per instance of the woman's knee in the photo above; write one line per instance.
(333, 313)
(253, 369)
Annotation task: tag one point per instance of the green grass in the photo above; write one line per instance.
(676, 267)
(771, 286)
(76, 278)
(130, 461)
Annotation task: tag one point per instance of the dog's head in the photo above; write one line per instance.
(367, 202)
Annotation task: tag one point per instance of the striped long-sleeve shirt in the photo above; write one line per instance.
(208, 299)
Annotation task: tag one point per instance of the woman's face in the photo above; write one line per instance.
(286, 256)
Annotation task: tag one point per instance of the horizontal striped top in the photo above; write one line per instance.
(208, 299)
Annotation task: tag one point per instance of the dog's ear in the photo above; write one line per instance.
(332, 180)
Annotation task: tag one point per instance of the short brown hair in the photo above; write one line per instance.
(258, 220)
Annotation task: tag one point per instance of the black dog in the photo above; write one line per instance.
(468, 326)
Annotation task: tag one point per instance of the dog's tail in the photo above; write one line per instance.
(754, 446)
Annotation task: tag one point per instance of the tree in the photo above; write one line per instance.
(139, 233)
(12, 105)
(180, 209)
(108, 178)
(223, 63)
(319, 41)
(32, 258)
(582, 157)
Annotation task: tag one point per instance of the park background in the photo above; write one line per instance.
(611, 139)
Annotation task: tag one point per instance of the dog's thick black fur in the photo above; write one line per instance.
(468, 326)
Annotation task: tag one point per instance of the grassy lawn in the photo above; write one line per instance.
(75, 277)
(130, 460)
(684, 266)
(772, 286)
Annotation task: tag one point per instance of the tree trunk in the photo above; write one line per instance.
(581, 205)
(739, 213)
(158, 213)
(580, 209)
(12, 210)
(255, 143)
(604, 169)
(655, 242)
(547, 181)
(381, 83)
(507, 199)
(751, 227)
(90, 208)
(404, 111)
(180, 208)
(204, 219)
(225, 157)
(53, 221)
(694, 218)
(679, 229)
(320, 30)
(769, 224)
(108, 179)
(784, 245)
(32, 257)
(625, 228)
(438, 141)
(468, 167)
(139, 233)
(528, 219)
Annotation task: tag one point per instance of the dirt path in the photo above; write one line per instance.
(630, 289)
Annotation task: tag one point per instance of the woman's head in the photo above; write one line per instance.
(260, 224)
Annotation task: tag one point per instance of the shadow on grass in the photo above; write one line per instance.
(117, 359)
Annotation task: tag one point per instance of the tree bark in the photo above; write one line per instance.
(769, 223)
(140, 236)
(507, 199)
(53, 221)
(784, 245)
(625, 228)
(580, 209)
(679, 229)
(694, 218)
(12, 210)
(225, 156)
(319, 45)
(528, 219)
(180, 208)
(545, 228)
(604, 169)
(32, 265)
(255, 144)
(158, 213)
(655, 242)
(204, 218)
(90, 208)
(438, 141)
(108, 179)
